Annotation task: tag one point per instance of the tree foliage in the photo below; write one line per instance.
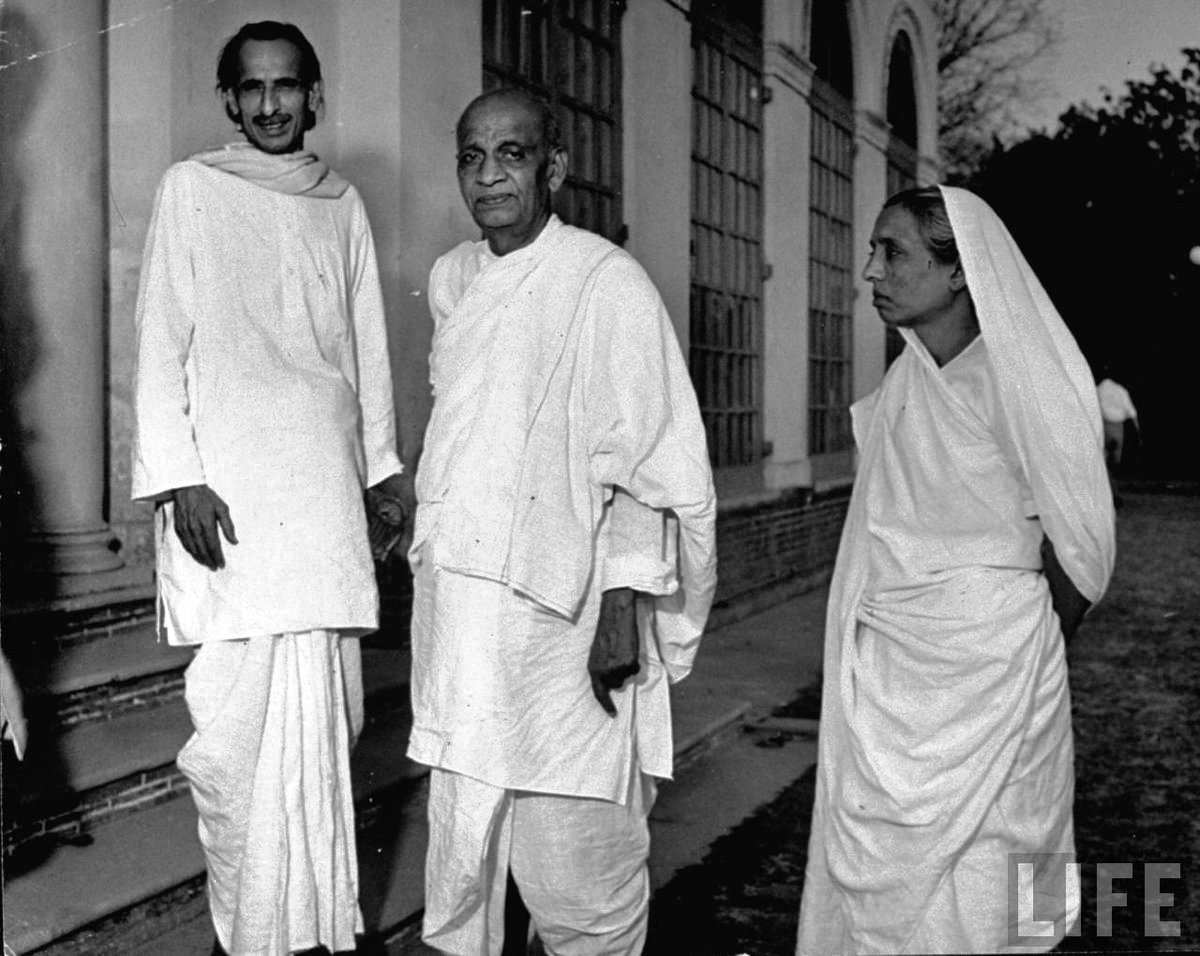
(1107, 210)
(985, 50)
(1157, 118)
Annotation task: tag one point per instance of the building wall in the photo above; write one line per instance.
(657, 144)
(397, 74)
(873, 26)
(396, 77)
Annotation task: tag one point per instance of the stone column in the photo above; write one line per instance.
(52, 300)
(787, 129)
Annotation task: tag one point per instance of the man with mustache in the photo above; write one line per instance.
(263, 405)
(564, 473)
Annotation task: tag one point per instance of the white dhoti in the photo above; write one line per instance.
(269, 767)
(580, 863)
(564, 457)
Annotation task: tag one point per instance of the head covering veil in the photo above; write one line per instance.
(1046, 390)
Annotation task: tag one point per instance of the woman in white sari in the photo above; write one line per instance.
(979, 532)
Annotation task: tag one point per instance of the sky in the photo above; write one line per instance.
(1106, 42)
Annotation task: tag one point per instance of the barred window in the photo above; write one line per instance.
(830, 272)
(569, 51)
(831, 239)
(726, 228)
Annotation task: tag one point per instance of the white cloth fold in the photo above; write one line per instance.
(262, 371)
(300, 173)
(945, 741)
(564, 454)
(1047, 391)
(581, 867)
(269, 767)
(557, 375)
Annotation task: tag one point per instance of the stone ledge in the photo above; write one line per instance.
(79, 885)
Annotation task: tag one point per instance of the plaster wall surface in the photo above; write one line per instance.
(657, 149)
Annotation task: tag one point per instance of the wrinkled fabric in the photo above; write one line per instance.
(538, 416)
(262, 371)
(269, 768)
(564, 455)
(300, 173)
(581, 866)
(1047, 392)
(557, 377)
(945, 743)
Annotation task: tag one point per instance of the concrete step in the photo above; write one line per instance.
(118, 746)
(129, 860)
(94, 771)
(125, 653)
(743, 671)
(107, 872)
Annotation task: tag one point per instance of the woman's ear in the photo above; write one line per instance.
(958, 278)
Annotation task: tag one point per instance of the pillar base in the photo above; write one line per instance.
(70, 553)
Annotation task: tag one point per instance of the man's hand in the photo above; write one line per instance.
(615, 648)
(199, 513)
(390, 507)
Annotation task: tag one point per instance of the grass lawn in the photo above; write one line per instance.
(1135, 682)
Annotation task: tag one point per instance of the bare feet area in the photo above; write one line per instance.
(1135, 679)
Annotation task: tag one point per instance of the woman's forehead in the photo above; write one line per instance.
(897, 224)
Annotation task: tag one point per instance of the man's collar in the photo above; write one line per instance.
(534, 248)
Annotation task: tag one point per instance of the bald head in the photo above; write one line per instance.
(517, 98)
(509, 166)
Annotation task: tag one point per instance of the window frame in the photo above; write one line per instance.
(537, 45)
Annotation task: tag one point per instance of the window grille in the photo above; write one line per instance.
(726, 230)
(830, 271)
(569, 51)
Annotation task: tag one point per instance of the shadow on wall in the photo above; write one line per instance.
(20, 348)
(40, 776)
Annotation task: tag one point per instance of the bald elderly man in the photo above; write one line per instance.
(563, 556)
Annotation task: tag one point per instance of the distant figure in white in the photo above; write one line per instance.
(1116, 408)
(263, 402)
(979, 532)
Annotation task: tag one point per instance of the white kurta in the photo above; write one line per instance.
(262, 371)
(945, 724)
(557, 376)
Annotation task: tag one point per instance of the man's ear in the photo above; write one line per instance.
(958, 278)
(232, 110)
(557, 169)
(316, 99)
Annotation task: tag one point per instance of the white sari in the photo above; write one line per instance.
(945, 727)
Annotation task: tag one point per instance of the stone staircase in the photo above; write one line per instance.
(100, 846)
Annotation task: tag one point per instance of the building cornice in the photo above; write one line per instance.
(873, 130)
(782, 63)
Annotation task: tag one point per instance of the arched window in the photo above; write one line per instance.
(831, 240)
(902, 142)
(726, 329)
(901, 116)
(570, 52)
